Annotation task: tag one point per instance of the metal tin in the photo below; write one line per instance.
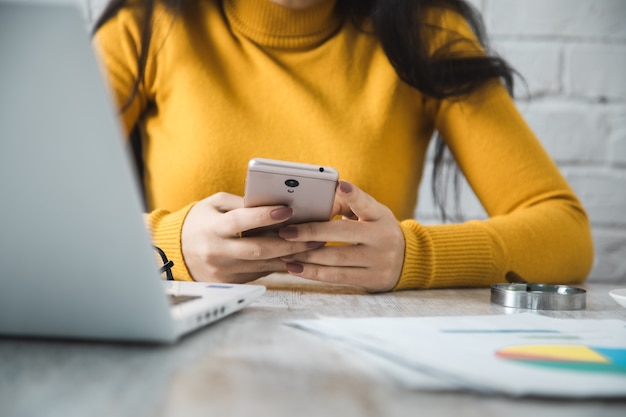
(539, 296)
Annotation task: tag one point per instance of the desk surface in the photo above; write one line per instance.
(251, 364)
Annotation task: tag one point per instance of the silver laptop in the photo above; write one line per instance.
(75, 258)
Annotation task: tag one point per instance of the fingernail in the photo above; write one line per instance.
(315, 245)
(282, 213)
(295, 268)
(288, 232)
(345, 187)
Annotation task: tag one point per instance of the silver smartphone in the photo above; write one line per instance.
(308, 189)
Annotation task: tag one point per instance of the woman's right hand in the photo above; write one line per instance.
(215, 252)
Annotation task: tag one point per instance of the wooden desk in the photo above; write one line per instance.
(251, 364)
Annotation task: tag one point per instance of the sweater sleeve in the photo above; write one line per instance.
(536, 228)
(166, 230)
(117, 43)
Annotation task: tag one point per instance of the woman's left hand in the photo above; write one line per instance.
(372, 255)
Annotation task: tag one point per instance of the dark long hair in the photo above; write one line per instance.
(403, 36)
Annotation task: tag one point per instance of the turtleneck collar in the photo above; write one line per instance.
(274, 26)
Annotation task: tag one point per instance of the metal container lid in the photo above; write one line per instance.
(539, 296)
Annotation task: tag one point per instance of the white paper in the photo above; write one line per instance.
(482, 353)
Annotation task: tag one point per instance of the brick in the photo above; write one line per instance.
(610, 256)
(596, 71)
(425, 204)
(539, 63)
(81, 3)
(618, 153)
(478, 4)
(571, 133)
(94, 8)
(569, 18)
(617, 139)
(426, 211)
(602, 192)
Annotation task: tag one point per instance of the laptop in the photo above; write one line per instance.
(75, 257)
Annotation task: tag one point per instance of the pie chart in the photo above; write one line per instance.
(578, 358)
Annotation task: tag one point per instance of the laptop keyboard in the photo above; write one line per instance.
(179, 299)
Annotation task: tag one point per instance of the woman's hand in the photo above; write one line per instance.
(374, 251)
(214, 251)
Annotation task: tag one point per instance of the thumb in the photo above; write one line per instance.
(355, 202)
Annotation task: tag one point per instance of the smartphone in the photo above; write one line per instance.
(308, 189)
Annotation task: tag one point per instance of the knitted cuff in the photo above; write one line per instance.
(456, 255)
(166, 233)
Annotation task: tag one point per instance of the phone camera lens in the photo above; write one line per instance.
(292, 183)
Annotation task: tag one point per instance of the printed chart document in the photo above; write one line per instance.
(518, 355)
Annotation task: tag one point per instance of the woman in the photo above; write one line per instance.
(360, 85)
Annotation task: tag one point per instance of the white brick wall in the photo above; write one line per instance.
(572, 54)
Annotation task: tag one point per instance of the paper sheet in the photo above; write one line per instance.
(518, 355)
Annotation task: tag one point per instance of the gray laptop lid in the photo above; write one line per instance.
(71, 232)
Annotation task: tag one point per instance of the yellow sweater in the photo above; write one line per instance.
(235, 79)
